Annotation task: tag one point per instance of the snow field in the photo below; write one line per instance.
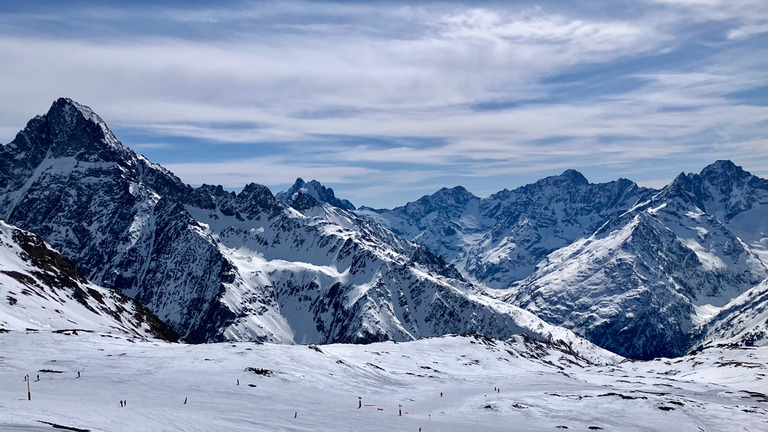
(541, 388)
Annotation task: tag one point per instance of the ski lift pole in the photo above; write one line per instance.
(400, 410)
(29, 390)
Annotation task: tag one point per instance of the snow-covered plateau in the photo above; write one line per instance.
(451, 383)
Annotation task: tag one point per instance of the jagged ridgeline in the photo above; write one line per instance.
(220, 265)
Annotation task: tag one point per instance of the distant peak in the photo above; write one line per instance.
(255, 189)
(568, 176)
(723, 166)
(574, 176)
(459, 193)
(316, 190)
(458, 189)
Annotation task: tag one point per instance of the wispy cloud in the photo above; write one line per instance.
(400, 98)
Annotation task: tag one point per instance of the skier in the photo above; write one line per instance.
(185, 401)
(238, 382)
(78, 374)
(121, 403)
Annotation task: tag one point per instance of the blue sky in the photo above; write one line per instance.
(387, 101)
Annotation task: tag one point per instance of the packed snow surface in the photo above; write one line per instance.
(444, 384)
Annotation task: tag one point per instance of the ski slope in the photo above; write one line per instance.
(542, 387)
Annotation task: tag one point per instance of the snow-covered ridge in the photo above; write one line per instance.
(744, 321)
(634, 270)
(41, 290)
(332, 276)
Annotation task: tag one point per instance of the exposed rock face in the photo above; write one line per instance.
(315, 190)
(638, 271)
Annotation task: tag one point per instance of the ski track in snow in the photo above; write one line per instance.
(317, 388)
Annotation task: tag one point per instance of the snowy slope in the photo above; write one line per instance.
(446, 384)
(744, 321)
(42, 290)
(633, 270)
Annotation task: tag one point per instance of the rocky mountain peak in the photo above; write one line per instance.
(574, 176)
(316, 190)
(558, 185)
(304, 201)
(682, 184)
(256, 198)
(724, 175)
(75, 128)
(455, 195)
(722, 189)
(722, 168)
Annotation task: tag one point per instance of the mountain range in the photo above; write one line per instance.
(220, 265)
(641, 272)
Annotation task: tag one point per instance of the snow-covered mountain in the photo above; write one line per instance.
(220, 265)
(743, 322)
(319, 192)
(641, 283)
(634, 270)
(500, 239)
(42, 290)
(68, 179)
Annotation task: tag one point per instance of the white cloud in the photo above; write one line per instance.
(289, 72)
(750, 16)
